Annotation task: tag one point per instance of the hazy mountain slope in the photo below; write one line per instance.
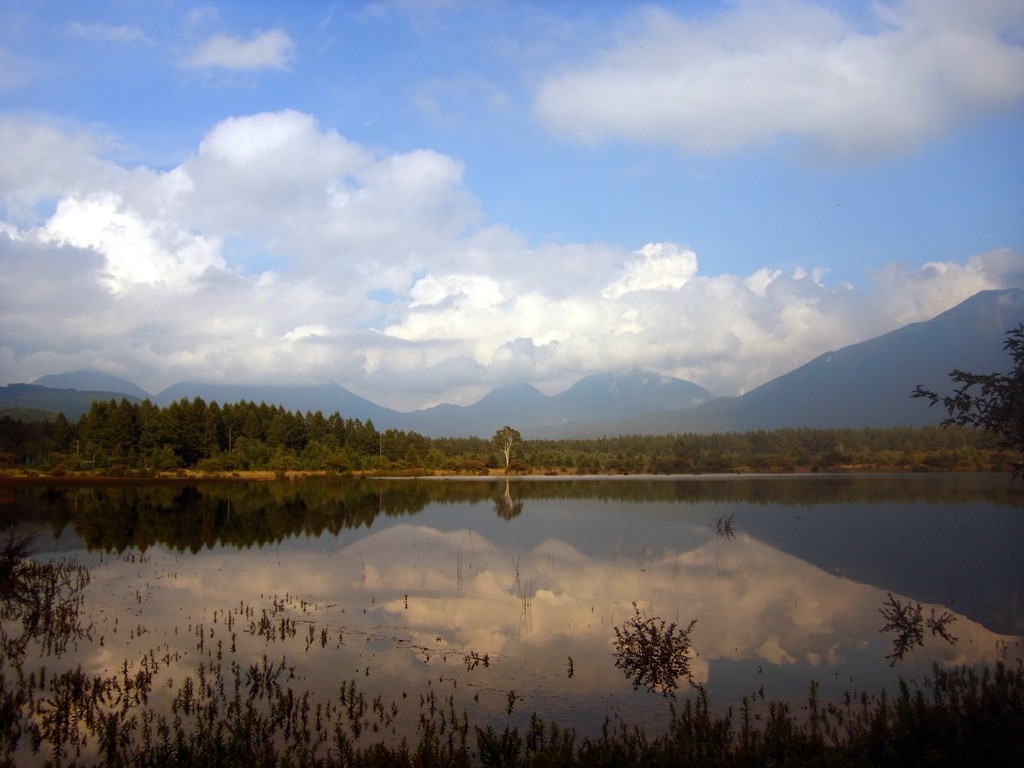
(92, 381)
(514, 405)
(866, 384)
(593, 399)
(73, 403)
(603, 396)
(862, 385)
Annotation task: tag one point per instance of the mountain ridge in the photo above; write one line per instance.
(91, 381)
(867, 384)
(40, 400)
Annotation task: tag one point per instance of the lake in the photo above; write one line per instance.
(501, 598)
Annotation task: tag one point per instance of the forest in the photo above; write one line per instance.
(126, 439)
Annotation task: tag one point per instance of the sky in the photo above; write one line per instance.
(421, 200)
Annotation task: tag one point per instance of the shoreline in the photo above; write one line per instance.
(186, 477)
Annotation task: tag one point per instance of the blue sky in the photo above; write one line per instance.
(424, 200)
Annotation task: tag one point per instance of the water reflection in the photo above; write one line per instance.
(506, 505)
(506, 596)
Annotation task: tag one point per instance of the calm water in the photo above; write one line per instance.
(475, 589)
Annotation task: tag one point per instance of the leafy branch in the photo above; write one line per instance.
(991, 402)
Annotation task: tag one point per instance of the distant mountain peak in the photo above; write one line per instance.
(91, 381)
(860, 385)
(866, 384)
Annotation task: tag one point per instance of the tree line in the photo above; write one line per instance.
(123, 437)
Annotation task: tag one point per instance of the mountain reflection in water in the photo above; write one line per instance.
(477, 588)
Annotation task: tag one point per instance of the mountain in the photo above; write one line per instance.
(91, 381)
(592, 400)
(30, 402)
(605, 396)
(327, 398)
(862, 385)
(501, 406)
(866, 384)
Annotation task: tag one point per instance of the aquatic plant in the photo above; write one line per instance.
(908, 622)
(653, 653)
(723, 530)
(38, 600)
(723, 527)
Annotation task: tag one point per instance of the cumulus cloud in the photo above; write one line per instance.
(48, 163)
(662, 267)
(758, 72)
(281, 250)
(272, 49)
(136, 250)
(477, 291)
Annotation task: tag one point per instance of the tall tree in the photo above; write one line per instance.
(505, 438)
(991, 402)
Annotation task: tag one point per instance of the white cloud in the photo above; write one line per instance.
(476, 291)
(758, 72)
(49, 162)
(281, 250)
(662, 267)
(910, 293)
(136, 250)
(306, 332)
(759, 281)
(264, 50)
(324, 204)
(257, 138)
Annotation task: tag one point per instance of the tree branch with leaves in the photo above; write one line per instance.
(991, 402)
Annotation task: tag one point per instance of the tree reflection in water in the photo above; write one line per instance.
(39, 609)
(505, 506)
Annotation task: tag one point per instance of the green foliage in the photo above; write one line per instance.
(993, 403)
(248, 436)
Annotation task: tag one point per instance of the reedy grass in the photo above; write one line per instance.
(258, 716)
